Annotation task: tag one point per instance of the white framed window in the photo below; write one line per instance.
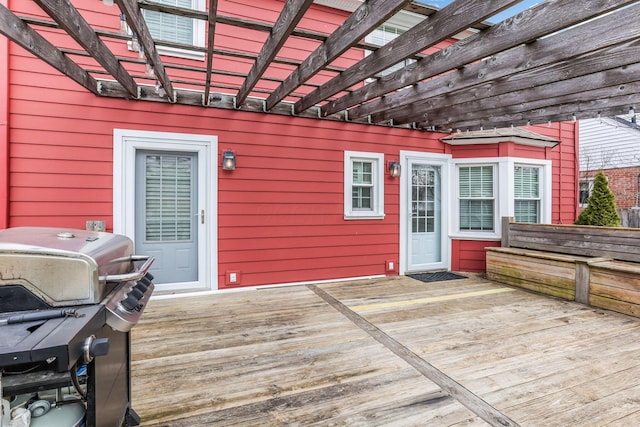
(586, 187)
(526, 195)
(476, 198)
(177, 29)
(363, 185)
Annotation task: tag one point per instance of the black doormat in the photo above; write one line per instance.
(437, 276)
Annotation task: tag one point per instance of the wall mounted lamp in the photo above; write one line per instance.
(394, 169)
(229, 161)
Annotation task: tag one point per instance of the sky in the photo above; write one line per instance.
(497, 18)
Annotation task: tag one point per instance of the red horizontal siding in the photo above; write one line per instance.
(469, 255)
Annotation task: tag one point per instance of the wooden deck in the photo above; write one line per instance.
(367, 353)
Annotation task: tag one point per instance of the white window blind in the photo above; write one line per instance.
(476, 198)
(527, 194)
(171, 28)
(168, 198)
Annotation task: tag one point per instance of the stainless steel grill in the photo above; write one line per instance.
(68, 299)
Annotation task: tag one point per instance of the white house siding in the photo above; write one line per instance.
(608, 144)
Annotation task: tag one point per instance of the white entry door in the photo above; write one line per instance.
(424, 214)
(165, 200)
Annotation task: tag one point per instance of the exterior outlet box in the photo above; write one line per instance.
(232, 277)
(390, 266)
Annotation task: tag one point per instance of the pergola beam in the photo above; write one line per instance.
(213, 10)
(291, 14)
(136, 22)
(19, 32)
(603, 102)
(457, 16)
(607, 83)
(533, 23)
(69, 19)
(606, 31)
(362, 21)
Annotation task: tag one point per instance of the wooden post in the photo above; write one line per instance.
(582, 282)
(506, 220)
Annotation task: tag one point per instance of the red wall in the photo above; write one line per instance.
(280, 212)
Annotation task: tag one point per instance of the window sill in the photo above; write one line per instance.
(460, 235)
(350, 217)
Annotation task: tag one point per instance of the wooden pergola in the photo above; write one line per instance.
(558, 60)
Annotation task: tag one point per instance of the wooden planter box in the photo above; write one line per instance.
(599, 266)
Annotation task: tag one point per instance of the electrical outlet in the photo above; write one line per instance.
(390, 266)
(232, 277)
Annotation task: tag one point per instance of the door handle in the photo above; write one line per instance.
(202, 216)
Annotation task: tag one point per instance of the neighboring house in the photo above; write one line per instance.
(309, 200)
(611, 144)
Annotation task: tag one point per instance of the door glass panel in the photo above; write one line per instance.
(425, 242)
(168, 215)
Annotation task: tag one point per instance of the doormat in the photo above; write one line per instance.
(437, 276)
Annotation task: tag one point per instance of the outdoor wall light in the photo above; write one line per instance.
(394, 169)
(228, 161)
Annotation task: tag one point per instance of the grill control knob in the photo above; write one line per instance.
(141, 287)
(136, 293)
(130, 303)
(94, 347)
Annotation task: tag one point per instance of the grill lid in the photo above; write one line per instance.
(63, 266)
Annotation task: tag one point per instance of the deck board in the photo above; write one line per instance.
(283, 356)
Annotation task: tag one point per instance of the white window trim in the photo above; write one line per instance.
(378, 185)
(455, 218)
(198, 38)
(504, 190)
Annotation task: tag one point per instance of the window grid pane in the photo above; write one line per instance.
(362, 185)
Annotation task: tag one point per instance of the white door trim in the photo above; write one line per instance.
(443, 161)
(125, 144)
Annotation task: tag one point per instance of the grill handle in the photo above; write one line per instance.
(136, 275)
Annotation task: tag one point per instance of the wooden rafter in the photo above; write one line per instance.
(69, 19)
(589, 104)
(136, 22)
(520, 63)
(457, 16)
(213, 10)
(20, 33)
(291, 14)
(611, 83)
(361, 22)
(538, 21)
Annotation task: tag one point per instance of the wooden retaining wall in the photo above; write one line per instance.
(599, 266)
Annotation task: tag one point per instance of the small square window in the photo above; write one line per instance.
(364, 185)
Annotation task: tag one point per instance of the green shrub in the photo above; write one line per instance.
(601, 205)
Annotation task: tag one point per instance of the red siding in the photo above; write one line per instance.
(469, 255)
(280, 213)
(4, 129)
